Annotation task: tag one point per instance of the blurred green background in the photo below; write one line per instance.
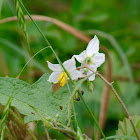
(112, 19)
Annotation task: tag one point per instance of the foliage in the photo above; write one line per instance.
(125, 127)
(39, 95)
(119, 20)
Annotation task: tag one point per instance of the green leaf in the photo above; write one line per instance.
(39, 96)
(125, 127)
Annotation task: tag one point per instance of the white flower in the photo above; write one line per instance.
(91, 57)
(60, 76)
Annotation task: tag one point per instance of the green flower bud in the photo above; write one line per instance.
(90, 85)
(57, 116)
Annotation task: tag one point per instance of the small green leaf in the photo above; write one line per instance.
(125, 127)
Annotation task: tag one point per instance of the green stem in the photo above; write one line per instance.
(59, 61)
(62, 65)
(118, 97)
(22, 123)
(92, 116)
(46, 40)
(34, 22)
(47, 134)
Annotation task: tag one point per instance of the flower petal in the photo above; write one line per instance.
(81, 56)
(70, 64)
(54, 67)
(92, 77)
(93, 46)
(54, 77)
(76, 74)
(98, 59)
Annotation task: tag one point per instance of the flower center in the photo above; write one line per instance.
(87, 60)
(85, 70)
(62, 79)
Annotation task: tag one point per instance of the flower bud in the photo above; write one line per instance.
(57, 116)
(90, 85)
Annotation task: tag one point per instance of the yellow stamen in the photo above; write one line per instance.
(62, 79)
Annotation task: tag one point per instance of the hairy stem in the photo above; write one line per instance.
(118, 97)
(86, 40)
(47, 133)
(105, 95)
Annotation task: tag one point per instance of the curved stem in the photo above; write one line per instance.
(118, 97)
(46, 40)
(59, 63)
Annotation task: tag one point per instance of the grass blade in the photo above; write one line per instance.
(3, 134)
(5, 113)
(4, 117)
(23, 53)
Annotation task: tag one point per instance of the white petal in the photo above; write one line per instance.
(99, 59)
(54, 67)
(93, 46)
(92, 77)
(81, 56)
(70, 64)
(76, 74)
(92, 66)
(54, 77)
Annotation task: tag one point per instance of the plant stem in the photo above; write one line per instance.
(57, 58)
(22, 123)
(122, 103)
(59, 61)
(47, 133)
(118, 97)
(92, 116)
(34, 22)
(46, 40)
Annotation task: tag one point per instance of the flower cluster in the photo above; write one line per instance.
(88, 58)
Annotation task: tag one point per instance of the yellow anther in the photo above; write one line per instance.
(62, 79)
